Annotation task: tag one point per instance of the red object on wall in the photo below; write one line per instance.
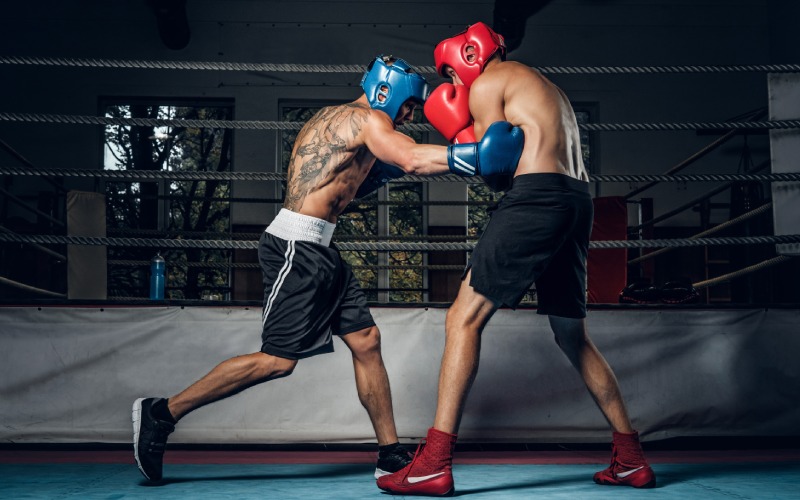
(607, 268)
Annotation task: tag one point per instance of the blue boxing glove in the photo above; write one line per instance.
(497, 152)
(378, 175)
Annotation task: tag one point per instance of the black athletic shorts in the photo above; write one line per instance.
(310, 294)
(539, 232)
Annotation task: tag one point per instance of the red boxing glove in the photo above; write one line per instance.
(447, 108)
(465, 136)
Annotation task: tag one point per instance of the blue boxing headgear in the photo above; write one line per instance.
(396, 82)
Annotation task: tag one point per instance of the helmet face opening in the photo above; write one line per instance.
(388, 83)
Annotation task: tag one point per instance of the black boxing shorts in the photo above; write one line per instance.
(538, 233)
(310, 293)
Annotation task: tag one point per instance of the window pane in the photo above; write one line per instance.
(405, 219)
(169, 208)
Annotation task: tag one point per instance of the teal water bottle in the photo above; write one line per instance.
(157, 267)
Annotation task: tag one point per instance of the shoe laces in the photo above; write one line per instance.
(417, 454)
(613, 458)
(161, 430)
(617, 466)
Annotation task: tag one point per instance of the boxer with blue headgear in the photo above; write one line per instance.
(311, 295)
(389, 83)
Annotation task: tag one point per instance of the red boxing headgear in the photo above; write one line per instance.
(453, 52)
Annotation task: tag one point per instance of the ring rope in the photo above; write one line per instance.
(138, 175)
(125, 298)
(741, 272)
(134, 175)
(360, 201)
(150, 122)
(57, 256)
(208, 265)
(358, 68)
(255, 236)
(757, 211)
(685, 163)
(380, 246)
(16, 154)
(779, 177)
(253, 265)
(32, 289)
(286, 125)
(405, 267)
(20, 202)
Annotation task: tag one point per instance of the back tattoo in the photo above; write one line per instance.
(325, 146)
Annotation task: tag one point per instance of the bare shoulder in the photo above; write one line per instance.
(376, 125)
(487, 89)
(500, 76)
(378, 120)
(357, 116)
(345, 121)
(517, 71)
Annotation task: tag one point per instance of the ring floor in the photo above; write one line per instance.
(243, 474)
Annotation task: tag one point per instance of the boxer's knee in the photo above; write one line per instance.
(268, 367)
(364, 342)
(569, 333)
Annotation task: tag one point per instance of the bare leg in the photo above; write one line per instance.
(228, 378)
(574, 341)
(372, 382)
(465, 322)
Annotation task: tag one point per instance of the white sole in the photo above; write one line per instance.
(136, 417)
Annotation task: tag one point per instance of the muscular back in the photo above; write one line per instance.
(519, 94)
(329, 161)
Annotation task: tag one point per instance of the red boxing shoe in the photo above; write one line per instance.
(628, 465)
(429, 473)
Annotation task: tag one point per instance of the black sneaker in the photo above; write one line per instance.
(149, 438)
(392, 462)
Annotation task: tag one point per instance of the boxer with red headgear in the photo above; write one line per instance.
(463, 58)
(539, 233)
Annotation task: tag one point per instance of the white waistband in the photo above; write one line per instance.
(289, 225)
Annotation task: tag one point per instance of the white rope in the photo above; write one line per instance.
(285, 125)
(742, 272)
(359, 68)
(28, 288)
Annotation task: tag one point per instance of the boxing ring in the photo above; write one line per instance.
(757, 338)
(72, 363)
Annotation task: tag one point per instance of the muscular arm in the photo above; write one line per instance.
(395, 148)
